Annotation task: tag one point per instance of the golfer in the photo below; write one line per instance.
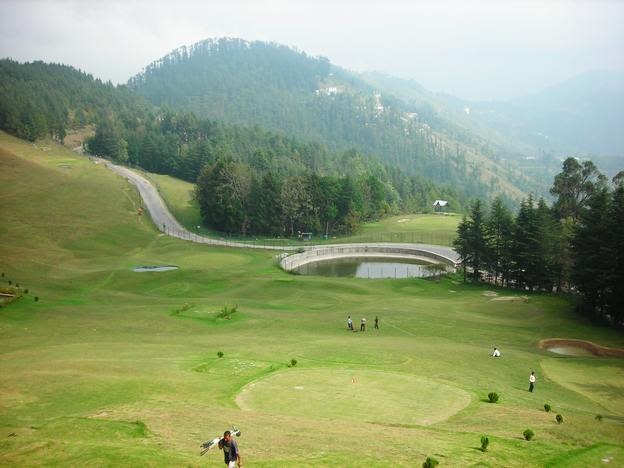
(230, 450)
(496, 353)
(363, 324)
(350, 323)
(531, 381)
(377, 322)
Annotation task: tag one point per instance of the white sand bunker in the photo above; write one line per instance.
(402, 220)
(490, 293)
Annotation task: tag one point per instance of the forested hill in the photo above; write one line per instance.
(278, 88)
(276, 184)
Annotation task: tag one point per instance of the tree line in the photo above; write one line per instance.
(577, 244)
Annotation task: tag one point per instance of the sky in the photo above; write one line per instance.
(479, 50)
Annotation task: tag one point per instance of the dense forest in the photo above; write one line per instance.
(575, 244)
(41, 100)
(284, 90)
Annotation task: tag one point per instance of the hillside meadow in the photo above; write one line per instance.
(110, 367)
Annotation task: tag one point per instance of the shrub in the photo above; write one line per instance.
(547, 408)
(430, 462)
(36, 298)
(559, 419)
(220, 354)
(528, 434)
(599, 417)
(485, 441)
(10, 282)
(26, 291)
(493, 397)
(293, 362)
(227, 312)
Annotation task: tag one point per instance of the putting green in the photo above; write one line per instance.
(372, 396)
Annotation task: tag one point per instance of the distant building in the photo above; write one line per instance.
(440, 206)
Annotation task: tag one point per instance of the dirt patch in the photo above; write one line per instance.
(593, 348)
(490, 293)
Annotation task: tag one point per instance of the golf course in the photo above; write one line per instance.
(104, 366)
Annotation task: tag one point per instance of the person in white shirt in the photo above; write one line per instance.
(531, 381)
(496, 353)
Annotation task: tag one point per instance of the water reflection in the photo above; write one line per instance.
(366, 267)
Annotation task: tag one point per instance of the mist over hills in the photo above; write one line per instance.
(579, 117)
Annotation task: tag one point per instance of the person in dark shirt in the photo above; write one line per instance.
(230, 450)
(377, 322)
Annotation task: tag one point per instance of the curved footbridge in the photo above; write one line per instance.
(167, 223)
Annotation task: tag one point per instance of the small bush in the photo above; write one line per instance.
(485, 441)
(528, 434)
(25, 291)
(293, 362)
(10, 282)
(559, 419)
(547, 408)
(430, 462)
(493, 397)
(599, 417)
(227, 312)
(36, 298)
(220, 354)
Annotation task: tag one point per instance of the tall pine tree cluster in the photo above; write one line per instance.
(575, 245)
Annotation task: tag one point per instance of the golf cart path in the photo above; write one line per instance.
(168, 224)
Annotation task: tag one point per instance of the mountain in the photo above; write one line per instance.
(583, 115)
(285, 90)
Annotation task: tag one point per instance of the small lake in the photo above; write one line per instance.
(143, 269)
(366, 267)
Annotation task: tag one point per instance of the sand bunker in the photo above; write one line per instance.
(490, 293)
(565, 346)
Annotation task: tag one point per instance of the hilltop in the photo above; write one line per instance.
(285, 90)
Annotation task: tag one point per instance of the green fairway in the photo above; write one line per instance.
(112, 367)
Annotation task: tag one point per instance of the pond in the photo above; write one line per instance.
(143, 269)
(366, 267)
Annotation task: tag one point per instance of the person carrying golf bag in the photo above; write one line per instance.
(230, 450)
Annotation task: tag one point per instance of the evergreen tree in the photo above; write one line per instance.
(498, 231)
(470, 243)
(592, 253)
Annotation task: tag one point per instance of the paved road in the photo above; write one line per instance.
(166, 223)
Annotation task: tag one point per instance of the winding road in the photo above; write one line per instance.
(167, 223)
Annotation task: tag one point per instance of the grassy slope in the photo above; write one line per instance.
(116, 367)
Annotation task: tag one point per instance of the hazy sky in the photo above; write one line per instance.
(472, 49)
